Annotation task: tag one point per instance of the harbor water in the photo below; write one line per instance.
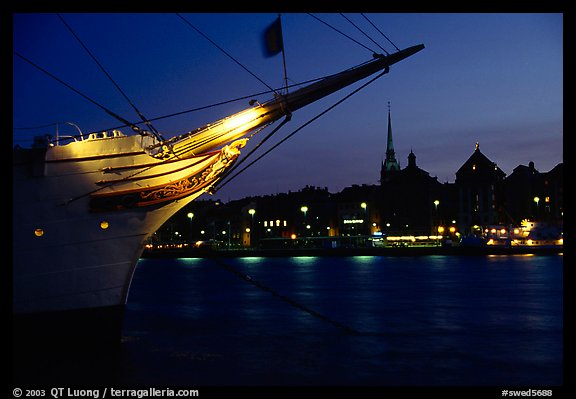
(336, 321)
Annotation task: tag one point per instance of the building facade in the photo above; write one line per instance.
(406, 202)
(530, 194)
(479, 184)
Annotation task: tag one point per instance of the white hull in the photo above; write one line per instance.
(83, 266)
(71, 252)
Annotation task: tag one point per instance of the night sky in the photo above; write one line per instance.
(496, 79)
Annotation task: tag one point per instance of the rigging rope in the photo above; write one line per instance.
(234, 100)
(342, 33)
(36, 127)
(214, 188)
(191, 146)
(229, 101)
(303, 126)
(284, 298)
(109, 112)
(247, 278)
(134, 125)
(375, 27)
(224, 51)
(154, 131)
(364, 33)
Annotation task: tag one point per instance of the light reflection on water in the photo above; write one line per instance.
(424, 320)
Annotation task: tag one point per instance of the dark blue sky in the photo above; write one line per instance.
(496, 79)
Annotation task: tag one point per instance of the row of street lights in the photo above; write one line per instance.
(304, 209)
(363, 205)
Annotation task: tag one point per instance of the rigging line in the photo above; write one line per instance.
(109, 112)
(209, 138)
(342, 33)
(233, 100)
(225, 52)
(154, 131)
(304, 125)
(35, 127)
(233, 168)
(134, 125)
(213, 105)
(290, 301)
(375, 27)
(364, 33)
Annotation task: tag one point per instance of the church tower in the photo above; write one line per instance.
(390, 164)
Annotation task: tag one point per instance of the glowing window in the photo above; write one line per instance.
(38, 232)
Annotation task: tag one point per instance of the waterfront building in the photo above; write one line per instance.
(411, 201)
(358, 210)
(479, 183)
(534, 195)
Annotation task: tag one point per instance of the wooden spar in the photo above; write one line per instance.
(329, 85)
(225, 130)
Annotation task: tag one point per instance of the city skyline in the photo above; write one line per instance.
(495, 79)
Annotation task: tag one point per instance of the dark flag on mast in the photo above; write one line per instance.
(273, 43)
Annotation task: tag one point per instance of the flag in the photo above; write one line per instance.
(273, 43)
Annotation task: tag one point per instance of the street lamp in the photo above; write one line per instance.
(537, 200)
(251, 212)
(436, 203)
(363, 206)
(190, 216)
(304, 209)
(229, 234)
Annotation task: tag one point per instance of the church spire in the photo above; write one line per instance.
(390, 163)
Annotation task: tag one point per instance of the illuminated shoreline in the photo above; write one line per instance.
(385, 251)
